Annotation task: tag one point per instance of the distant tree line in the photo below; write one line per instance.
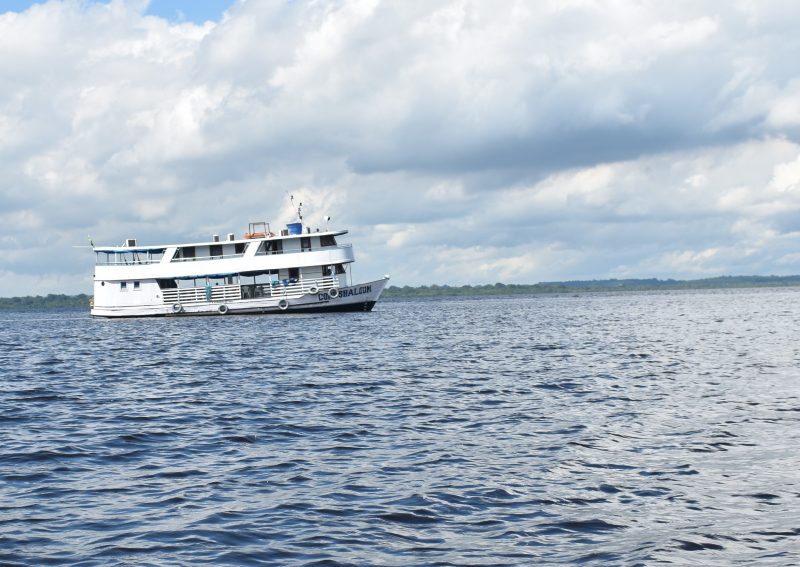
(50, 301)
(650, 284)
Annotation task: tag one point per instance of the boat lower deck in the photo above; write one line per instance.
(224, 300)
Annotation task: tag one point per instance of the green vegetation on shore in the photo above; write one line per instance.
(44, 302)
(82, 300)
(722, 282)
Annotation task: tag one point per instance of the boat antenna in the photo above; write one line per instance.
(299, 208)
(90, 245)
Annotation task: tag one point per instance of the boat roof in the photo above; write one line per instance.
(161, 247)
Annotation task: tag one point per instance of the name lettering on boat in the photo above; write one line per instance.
(346, 292)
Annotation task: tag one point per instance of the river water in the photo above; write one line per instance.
(634, 429)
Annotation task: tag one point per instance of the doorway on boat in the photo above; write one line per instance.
(262, 283)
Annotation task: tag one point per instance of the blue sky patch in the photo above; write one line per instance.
(173, 10)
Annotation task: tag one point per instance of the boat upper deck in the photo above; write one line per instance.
(135, 247)
(259, 251)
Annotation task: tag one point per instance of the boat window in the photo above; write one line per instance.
(185, 252)
(340, 268)
(305, 244)
(167, 284)
(239, 248)
(127, 258)
(215, 250)
(327, 240)
(270, 247)
(136, 286)
(123, 286)
(294, 273)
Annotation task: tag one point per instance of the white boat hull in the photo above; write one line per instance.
(360, 297)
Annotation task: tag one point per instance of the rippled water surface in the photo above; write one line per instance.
(601, 429)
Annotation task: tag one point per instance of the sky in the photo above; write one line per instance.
(459, 141)
(197, 11)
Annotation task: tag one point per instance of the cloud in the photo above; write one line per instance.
(461, 142)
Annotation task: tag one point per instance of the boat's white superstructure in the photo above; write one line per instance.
(296, 270)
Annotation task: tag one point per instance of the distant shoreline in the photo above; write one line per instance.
(51, 301)
(56, 301)
(578, 286)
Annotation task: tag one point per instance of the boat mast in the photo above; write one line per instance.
(298, 208)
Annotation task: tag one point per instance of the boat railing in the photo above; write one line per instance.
(126, 259)
(261, 252)
(289, 289)
(126, 262)
(203, 258)
(333, 246)
(205, 294)
(284, 289)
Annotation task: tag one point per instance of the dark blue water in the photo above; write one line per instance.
(597, 429)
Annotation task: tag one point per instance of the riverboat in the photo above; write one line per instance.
(295, 270)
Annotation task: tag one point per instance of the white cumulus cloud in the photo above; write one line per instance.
(460, 141)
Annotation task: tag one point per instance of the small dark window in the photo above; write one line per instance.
(215, 250)
(270, 247)
(239, 248)
(187, 252)
(294, 273)
(305, 243)
(327, 240)
(339, 268)
(123, 286)
(136, 286)
(167, 284)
